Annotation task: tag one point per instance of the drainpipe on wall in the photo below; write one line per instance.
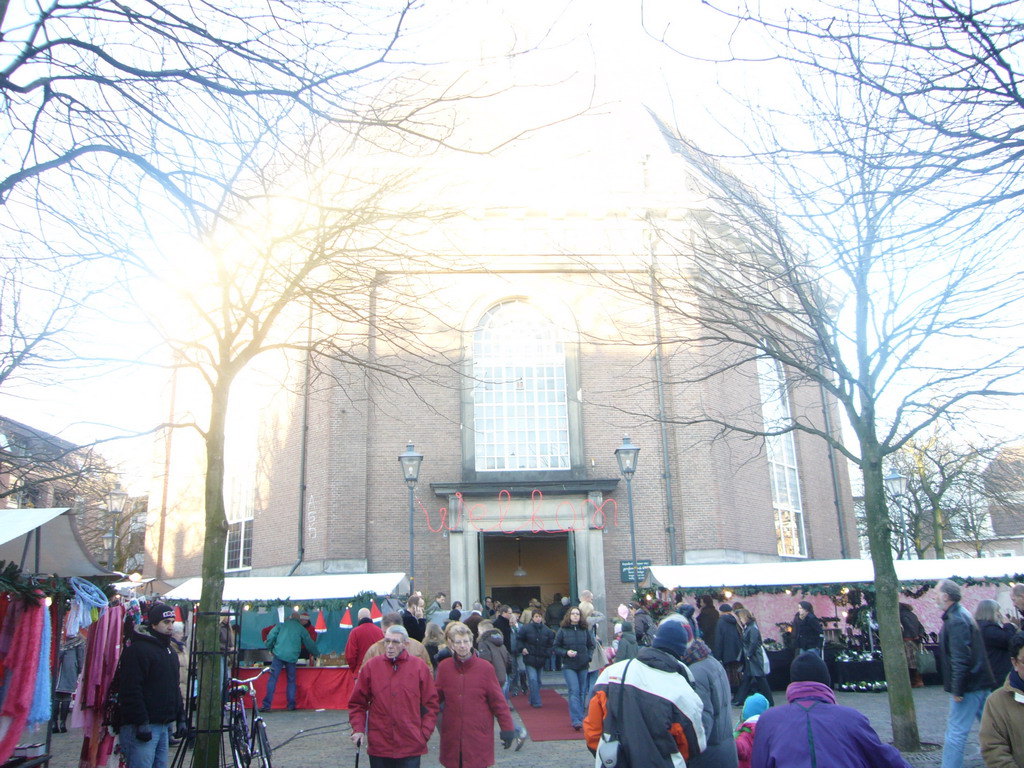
(670, 527)
(304, 450)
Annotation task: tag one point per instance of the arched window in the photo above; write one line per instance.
(520, 403)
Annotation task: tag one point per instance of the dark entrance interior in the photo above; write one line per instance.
(516, 567)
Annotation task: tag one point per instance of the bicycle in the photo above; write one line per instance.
(248, 736)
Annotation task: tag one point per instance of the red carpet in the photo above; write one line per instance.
(551, 721)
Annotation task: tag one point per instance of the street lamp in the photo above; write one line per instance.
(896, 487)
(116, 499)
(626, 454)
(410, 461)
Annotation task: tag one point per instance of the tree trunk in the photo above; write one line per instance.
(939, 531)
(211, 661)
(887, 591)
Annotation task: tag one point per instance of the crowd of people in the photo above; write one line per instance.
(660, 693)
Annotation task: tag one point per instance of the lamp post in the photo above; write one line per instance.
(626, 454)
(896, 485)
(410, 461)
(116, 499)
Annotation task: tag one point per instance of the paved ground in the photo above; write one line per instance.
(308, 739)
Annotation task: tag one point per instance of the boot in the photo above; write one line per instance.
(916, 679)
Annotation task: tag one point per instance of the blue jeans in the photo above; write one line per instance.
(533, 678)
(576, 681)
(146, 754)
(275, 670)
(962, 715)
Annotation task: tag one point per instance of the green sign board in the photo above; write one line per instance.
(626, 570)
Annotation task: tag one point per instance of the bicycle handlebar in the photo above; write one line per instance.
(251, 679)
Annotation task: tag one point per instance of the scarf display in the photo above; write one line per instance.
(88, 606)
(22, 663)
(42, 707)
(102, 653)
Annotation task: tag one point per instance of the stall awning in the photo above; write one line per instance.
(325, 586)
(60, 548)
(826, 572)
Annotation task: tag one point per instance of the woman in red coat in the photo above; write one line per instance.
(470, 699)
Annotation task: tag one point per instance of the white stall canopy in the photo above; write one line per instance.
(46, 541)
(691, 577)
(325, 586)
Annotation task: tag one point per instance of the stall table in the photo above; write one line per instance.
(315, 687)
(859, 671)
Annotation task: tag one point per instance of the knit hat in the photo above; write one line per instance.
(725, 608)
(674, 637)
(754, 705)
(158, 612)
(808, 667)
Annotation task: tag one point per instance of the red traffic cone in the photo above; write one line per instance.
(321, 625)
(346, 620)
(375, 614)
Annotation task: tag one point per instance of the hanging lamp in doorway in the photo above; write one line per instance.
(519, 572)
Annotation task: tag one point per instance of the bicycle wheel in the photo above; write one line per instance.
(239, 738)
(261, 743)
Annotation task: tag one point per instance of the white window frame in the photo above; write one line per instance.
(784, 473)
(244, 528)
(520, 394)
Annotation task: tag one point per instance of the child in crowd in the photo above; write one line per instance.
(752, 709)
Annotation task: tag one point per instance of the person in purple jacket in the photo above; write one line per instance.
(813, 730)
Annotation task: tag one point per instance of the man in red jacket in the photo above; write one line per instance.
(396, 693)
(365, 634)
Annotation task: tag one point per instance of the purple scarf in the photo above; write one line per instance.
(804, 690)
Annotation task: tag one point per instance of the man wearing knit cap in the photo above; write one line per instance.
(634, 700)
(813, 730)
(151, 704)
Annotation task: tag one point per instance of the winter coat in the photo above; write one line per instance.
(712, 685)
(72, 660)
(401, 701)
(628, 646)
(574, 638)
(287, 639)
(753, 664)
(417, 628)
(962, 656)
(910, 625)
(728, 646)
(809, 633)
(661, 712)
(745, 741)
(472, 699)
(643, 626)
(365, 634)
(492, 650)
(503, 625)
(538, 640)
(707, 620)
(813, 730)
(997, 647)
(149, 691)
(1002, 727)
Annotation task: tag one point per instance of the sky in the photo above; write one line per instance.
(564, 57)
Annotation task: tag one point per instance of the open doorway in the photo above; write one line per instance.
(517, 567)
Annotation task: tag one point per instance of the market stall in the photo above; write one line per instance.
(40, 549)
(263, 601)
(835, 588)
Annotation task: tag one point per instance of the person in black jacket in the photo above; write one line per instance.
(913, 635)
(965, 671)
(807, 630)
(413, 620)
(574, 644)
(536, 641)
(149, 695)
(728, 647)
(996, 632)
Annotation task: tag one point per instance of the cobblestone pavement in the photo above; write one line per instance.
(320, 739)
